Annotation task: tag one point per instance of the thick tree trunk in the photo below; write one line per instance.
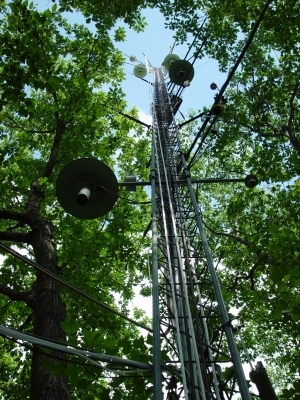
(49, 311)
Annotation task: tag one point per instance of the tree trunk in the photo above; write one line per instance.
(50, 309)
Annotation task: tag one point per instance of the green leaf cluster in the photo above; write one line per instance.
(52, 76)
(254, 235)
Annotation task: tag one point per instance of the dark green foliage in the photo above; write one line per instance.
(54, 110)
(51, 84)
(255, 234)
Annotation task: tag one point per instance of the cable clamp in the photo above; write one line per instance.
(229, 323)
(186, 172)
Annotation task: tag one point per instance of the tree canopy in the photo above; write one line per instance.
(256, 234)
(60, 89)
(54, 110)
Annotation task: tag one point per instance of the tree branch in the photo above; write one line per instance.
(85, 67)
(274, 134)
(55, 147)
(26, 322)
(7, 304)
(17, 237)
(14, 215)
(230, 235)
(292, 108)
(271, 134)
(28, 130)
(15, 295)
(289, 128)
(261, 258)
(246, 277)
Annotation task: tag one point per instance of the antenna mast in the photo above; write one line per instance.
(190, 321)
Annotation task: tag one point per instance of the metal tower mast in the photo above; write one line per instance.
(190, 321)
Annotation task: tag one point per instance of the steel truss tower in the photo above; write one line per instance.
(190, 321)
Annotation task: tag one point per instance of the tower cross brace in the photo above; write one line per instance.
(190, 321)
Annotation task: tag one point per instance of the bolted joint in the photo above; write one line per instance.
(186, 173)
(153, 174)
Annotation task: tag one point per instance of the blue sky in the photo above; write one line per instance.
(155, 43)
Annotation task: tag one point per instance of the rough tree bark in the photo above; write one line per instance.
(50, 309)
